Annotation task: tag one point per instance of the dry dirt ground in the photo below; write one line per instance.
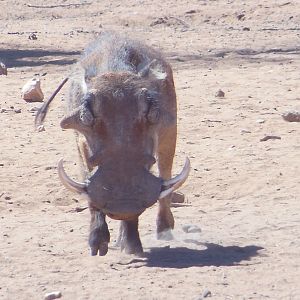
(242, 193)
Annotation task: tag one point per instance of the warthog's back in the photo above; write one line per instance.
(112, 53)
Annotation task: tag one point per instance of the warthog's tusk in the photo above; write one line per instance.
(173, 184)
(69, 183)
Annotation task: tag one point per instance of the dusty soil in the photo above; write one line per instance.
(242, 193)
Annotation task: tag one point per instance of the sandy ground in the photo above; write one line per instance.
(242, 193)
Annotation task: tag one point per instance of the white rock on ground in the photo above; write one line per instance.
(31, 91)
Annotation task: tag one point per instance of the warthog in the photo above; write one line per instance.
(122, 104)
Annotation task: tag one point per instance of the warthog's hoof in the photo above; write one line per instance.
(164, 225)
(99, 239)
(165, 235)
(132, 247)
(102, 248)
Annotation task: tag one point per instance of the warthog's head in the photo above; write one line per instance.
(119, 117)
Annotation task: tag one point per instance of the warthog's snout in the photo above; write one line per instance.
(124, 209)
(125, 197)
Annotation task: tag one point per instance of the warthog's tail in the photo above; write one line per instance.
(41, 113)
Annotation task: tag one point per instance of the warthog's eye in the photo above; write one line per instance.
(153, 115)
(149, 105)
(86, 116)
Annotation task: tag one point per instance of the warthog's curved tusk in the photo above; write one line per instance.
(69, 183)
(173, 184)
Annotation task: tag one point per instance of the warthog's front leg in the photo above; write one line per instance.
(129, 238)
(166, 151)
(99, 234)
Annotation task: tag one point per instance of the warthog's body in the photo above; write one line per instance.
(123, 104)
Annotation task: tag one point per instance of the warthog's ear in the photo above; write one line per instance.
(149, 105)
(155, 69)
(81, 117)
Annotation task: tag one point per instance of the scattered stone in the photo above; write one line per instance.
(3, 69)
(50, 168)
(32, 36)
(31, 91)
(246, 29)
(41, 128)
(158, 21)
(177, 198)
(169, 21)
(2, 110)
(291, 116)
(260, 121)
(245, 131)
(17, 110)
(192, 11)
(220, 94)
(270, 137)
(33, 109)
(191, 228)
(78, 209)
(206, 293)
(240, 17)
(52, 295)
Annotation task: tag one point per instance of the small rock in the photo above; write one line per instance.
(246, 29)
(17, 110)
(270, 137)
(80, 209)
(2, 110)
(32, 36)
(220, 94)
(52, 295)
(260, 121)
(206, 293)
(3, 69)
(291, 116)
(33, 109)
(240, 17)
(49, 168)
(191, 228)
(41, 128)
(177, 198)
(31, 91)
(192, 11)
(245, 131)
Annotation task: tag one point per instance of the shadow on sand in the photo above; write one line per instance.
(213, 255)
(37, 57)
(272, 55)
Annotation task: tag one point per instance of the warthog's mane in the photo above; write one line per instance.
(121, 55)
